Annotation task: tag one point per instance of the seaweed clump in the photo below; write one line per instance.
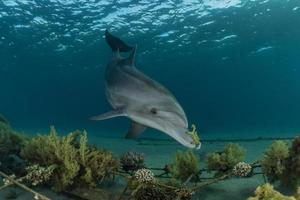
(223, 162)
(10, 141)
(186, 166)
(11, 144)
(291, 174)
(273, 162)
(3, 119)
(154, 191)
(281, 163)
(267, 192)
(77, 164)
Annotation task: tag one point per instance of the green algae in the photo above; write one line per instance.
(282, 163)
(152, 191)
(267, 192)
(186, 166)
(291, 174)
(223, 162)
(3, 119)
(11, 144)
(10, 141)
(77, 164)
(273, 160)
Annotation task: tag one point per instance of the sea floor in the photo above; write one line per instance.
(158, 153)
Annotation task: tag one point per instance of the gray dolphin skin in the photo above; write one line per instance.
(144, 101)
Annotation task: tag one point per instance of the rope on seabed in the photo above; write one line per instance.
(37, 195)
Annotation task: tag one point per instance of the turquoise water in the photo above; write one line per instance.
(233, 64)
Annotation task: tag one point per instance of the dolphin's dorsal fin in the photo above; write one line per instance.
(135, 130)
(108, 115)
(117, 53)
(131, 58)
(116, 43)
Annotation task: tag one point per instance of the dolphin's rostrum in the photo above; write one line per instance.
(138, 97)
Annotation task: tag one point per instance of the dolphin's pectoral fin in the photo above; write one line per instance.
(135, 130)
(108, 115)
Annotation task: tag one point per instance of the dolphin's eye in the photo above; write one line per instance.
(153, 111)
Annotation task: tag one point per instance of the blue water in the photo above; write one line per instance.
(232, 64)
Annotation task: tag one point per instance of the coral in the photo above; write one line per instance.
(77, 162)
(17, 182)
(6, 181)
(36, 197)
(273, 160)
(291, 174)
(224, 161)
(242, 169)
(267, 192)
(132, 161)
(37, 175)
(186, 166)
(144, 176)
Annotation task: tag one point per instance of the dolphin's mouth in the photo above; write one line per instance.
(178, 131)
(184, 137)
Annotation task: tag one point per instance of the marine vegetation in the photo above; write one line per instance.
(76, 162)
(291, 175)
(68, 163)
(224, 161)
(186, 166)
(152, 191)
(273, 162)
(282, 163)
(11, 144)
(267, 192)
(10, 141)
(132, 161)
(196, 139)
(3, 119)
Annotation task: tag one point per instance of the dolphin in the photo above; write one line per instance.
(144, 101)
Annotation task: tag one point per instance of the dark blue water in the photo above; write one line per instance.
(232, 64)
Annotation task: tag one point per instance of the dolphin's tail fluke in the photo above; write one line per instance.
(116, 43)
